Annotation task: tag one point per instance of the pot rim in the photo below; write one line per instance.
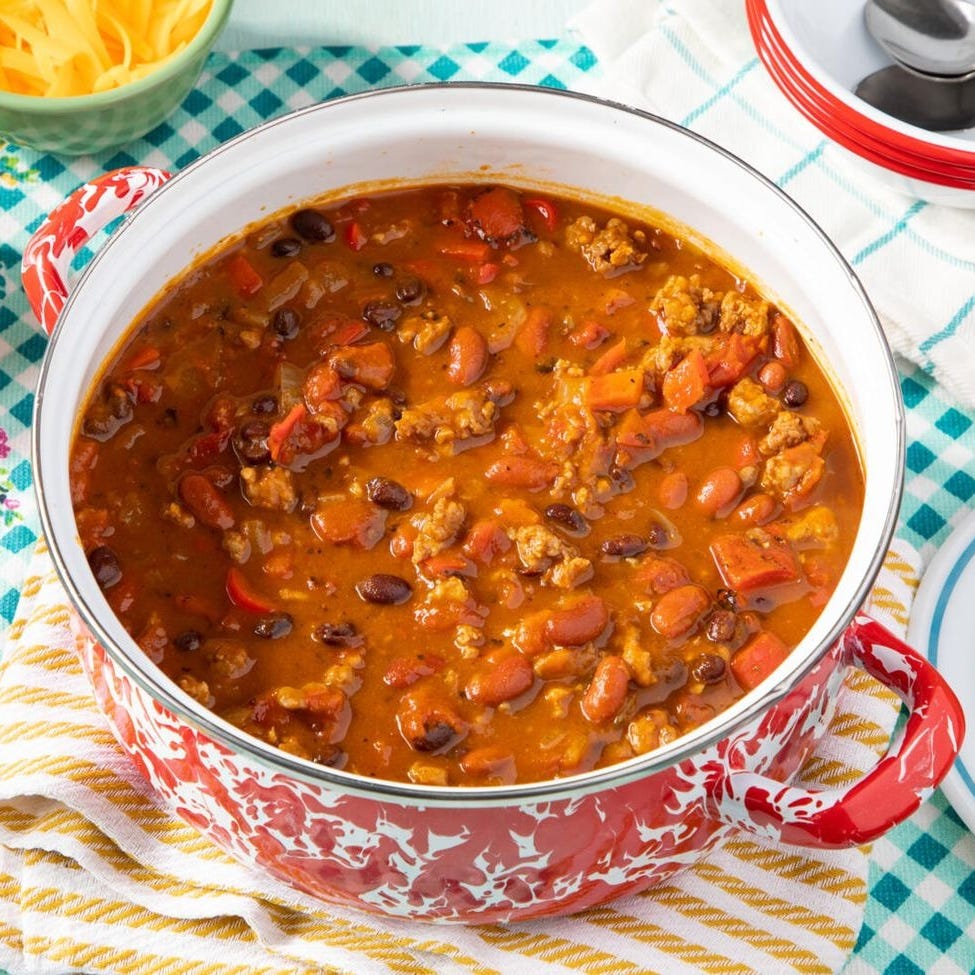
(165, 692)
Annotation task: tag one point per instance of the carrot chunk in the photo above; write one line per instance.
(757, 659)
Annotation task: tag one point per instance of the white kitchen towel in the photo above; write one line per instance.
(693, 62)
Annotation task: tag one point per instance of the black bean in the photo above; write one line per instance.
(795, 393)
(105, 566)
(410, 291)
(286, 323)
(567, 517)
(264, 405)
(384, 589)
(312, 225)
(337, 635)
(274, 626)
(713, 409)
(728, 598)
(251, 442)
(658, 536)
(382, 270)
(435, 735)
(382, 314)
(721, 626)
(388, 494)
(119, 403)
(622, 479)
(188, 640)
(624, 546)
(286, 247)
(708, 668)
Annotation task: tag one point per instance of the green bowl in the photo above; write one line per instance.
(84, 124)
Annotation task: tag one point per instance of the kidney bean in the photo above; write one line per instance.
(708, 668)
(567, 517)
(206, 502)
(501, 679)
(312, 225)
(384, 589)
(607, 690)
(673, 490)
(286, 247)
(250, 443)
(490, 761)
(274, 626)
(678, 610)
(719, 491)
(624, 546)
(467, 356)
(337, 635)
(428, 725)
(795, 393)
(383, 314)
(573, 625)
(531, 473)
(264, 405)
(388, 494)
(773, 376)
(105, 566)
(756, 510)
(785, 341)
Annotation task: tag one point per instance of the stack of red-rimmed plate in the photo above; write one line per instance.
(817, 53)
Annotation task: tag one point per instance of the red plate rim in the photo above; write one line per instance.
(954, 176)
(892, 138)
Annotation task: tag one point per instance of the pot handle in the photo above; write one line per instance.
(918, 759)
(53, 246)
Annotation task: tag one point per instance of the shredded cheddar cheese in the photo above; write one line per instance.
(60, 48)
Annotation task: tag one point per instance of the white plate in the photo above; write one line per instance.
(942, 627)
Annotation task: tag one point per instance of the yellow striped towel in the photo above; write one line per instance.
(96, 877)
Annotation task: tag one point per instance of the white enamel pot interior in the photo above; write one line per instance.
(523, 136)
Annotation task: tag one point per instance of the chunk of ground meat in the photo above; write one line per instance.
(199, 690)
(611, 250)
(228, 660)
(460, 416)
(789, 430)
(683, 307)
(747, 316)
(815, 528)
(750, 405)
(427, 332)
(792, 473)
(269, 487)
(438, 529)
(545, 554)
(663, 356)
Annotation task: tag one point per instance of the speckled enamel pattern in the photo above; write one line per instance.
(470, 862)
(48, 255)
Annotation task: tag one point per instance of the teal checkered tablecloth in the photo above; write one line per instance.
(920, 916)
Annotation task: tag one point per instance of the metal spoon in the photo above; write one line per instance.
(928, 103)
(933, 37)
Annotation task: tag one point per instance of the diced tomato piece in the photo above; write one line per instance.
(615, 391)
(486, 273)
(406, 671)
(447, 564)
(350, 333)
(546, 211)
(354, 236)
(369, 365)
(785, 341)
(485, 539)
(281, 430)
(687, 383)
(242, 595)
(244, 276)
(472, 251)
(148, 357)
(611, 359)
(757, 659)
(82, 463)
(617, 298)
(750, 563)
(730, 361)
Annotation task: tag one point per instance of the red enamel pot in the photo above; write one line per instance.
(505, 853)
